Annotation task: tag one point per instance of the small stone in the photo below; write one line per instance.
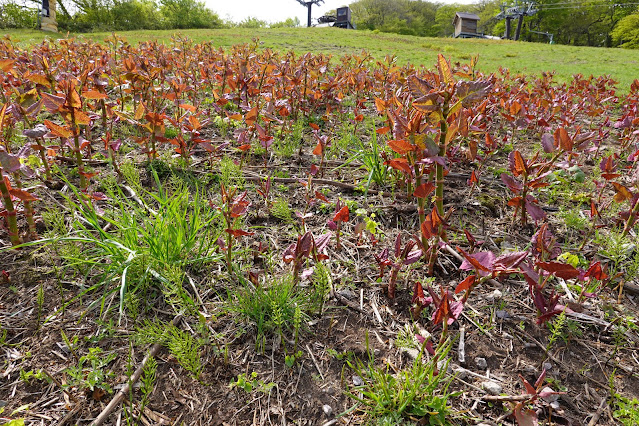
(501, 314)
(460, 372)
(492, 387)
(495, 295)
(327, 409)
(530, 370)
(507, 336)
(347, 294)
(547, 366)
(553, 397)
(413, 353)
(357, 381)
(481, 363)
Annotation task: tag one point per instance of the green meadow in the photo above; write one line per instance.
(519, 57)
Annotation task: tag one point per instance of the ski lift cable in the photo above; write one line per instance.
(590, 5)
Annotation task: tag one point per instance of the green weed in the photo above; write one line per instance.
(276, 308)
(420, 391)
(182, 345)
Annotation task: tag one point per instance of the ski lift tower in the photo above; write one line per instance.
(308, 4)
(517, 10)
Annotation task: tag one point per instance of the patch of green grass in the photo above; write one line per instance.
(419, 391)
(281, 210)
(149, 241)
(276, 308)
(182, 345)
(531, 58)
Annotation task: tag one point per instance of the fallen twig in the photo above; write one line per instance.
(117, 399)
(598, 413)
(506, 398)
(315, 362)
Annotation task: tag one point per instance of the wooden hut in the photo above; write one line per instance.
(466, 25)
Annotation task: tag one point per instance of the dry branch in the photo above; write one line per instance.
(117, 399)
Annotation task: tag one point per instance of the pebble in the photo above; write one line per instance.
(460, 372)
(347, 294)
(547, 366)
(357, 381)
(327, 409)
(481, 363)
(492, 387)
(495, 295)
(501, 314)
(529, 369)
(549, 398)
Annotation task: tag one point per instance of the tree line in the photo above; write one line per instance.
(576, 22)
(126, 15)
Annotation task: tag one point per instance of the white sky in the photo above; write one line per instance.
(270, 10)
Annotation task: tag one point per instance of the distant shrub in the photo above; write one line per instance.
(626, 32)
(16, 16)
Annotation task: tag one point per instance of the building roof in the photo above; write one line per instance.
(464, 15)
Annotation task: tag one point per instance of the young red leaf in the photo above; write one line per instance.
(314, 126)
(443, 310)
(563, 139)
(424, 189)
(413, 256)
(401, 146)
(445, 71)
(519, 164)
(251, 116)
(59, 131)
(561, 270)
(622, 194)
(473, 178)
(511, 183)
(596, 271)
(22, 195)
(318, 149)
(238, 232)
(525, 417)
(400, 164)
(341, 215)
(547, 142)
(593, 209)
(419, 297)
(467, 283)
(94, 94)
(482, 262)
(530, 389)
(510, 260)
(321, 196)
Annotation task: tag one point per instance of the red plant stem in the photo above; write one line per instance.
(439, 191)
(12, 221)
(523, 199)
(392, 284)
(631, 219)
(28, 212)
(78, 152)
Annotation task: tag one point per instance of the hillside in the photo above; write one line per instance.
(519, 57)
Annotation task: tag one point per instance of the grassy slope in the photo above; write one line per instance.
(519, 57)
